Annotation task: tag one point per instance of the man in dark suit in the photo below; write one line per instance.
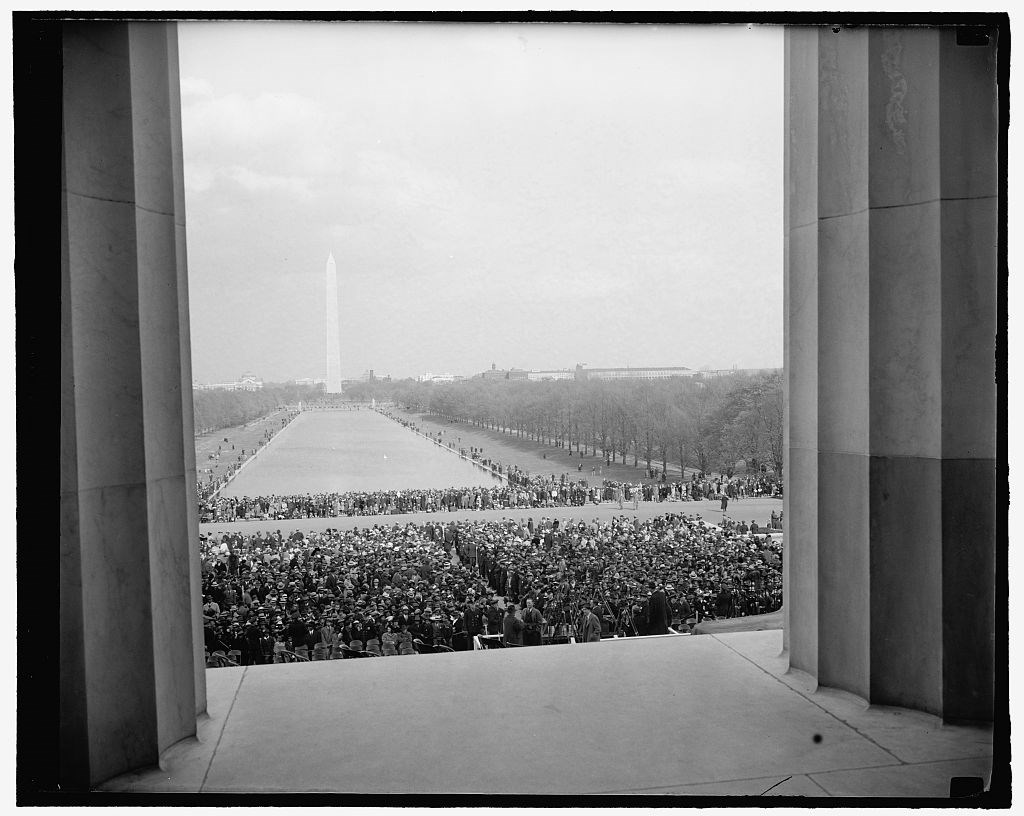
(681, 611)
(724, 603)
(493, 616)
(657, 612)
(460, 643)
(589, 627)
(532, 621)
(473, 622)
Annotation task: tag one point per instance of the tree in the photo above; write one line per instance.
(714, 420)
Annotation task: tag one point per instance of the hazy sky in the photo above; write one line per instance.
(529, 195)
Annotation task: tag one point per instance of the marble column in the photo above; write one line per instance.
(800, 328)
(890, 339)
(129, 531)
(185, 357)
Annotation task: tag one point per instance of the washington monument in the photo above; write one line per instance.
(333, 349)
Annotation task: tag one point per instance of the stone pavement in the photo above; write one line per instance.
(669, 715)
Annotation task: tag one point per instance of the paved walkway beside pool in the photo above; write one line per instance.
(687, 715)
(746, 509)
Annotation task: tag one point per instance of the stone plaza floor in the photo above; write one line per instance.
(708, 715)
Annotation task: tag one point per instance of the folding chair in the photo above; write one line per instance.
(421, 647)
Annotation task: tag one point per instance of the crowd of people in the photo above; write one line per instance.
(515, 489)
(774, 525)
(520, 490)
(389, 589)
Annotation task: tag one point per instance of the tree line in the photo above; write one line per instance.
(215, 408)
(705, 423)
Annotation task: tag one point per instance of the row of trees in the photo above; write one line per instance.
(215, 409)
(710, 424)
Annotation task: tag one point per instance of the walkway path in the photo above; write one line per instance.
(745, 509)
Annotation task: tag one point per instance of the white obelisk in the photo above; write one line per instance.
(333, 385)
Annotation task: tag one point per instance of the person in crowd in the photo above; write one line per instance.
(639, 616)
(589, 626)
(512, 627)
(724, 602)
(473, 619)
(658, 616)
(492, 617)
(389, 640)
(532, 623)
(405, 639)
(460, 639)
(680, 609)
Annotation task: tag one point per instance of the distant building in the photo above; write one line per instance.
(439, 378)
(725, 372)
(310, 381)
(504, 374)
(552, 374)
(247, 382)
(630, 373)
(494, 374)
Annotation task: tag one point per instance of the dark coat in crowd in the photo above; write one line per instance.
(658, 616)
(512, 629)
(724, 604)
(493, 619)
(640, 620)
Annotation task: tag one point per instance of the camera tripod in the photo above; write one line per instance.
(561, 613)
(623, 621)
